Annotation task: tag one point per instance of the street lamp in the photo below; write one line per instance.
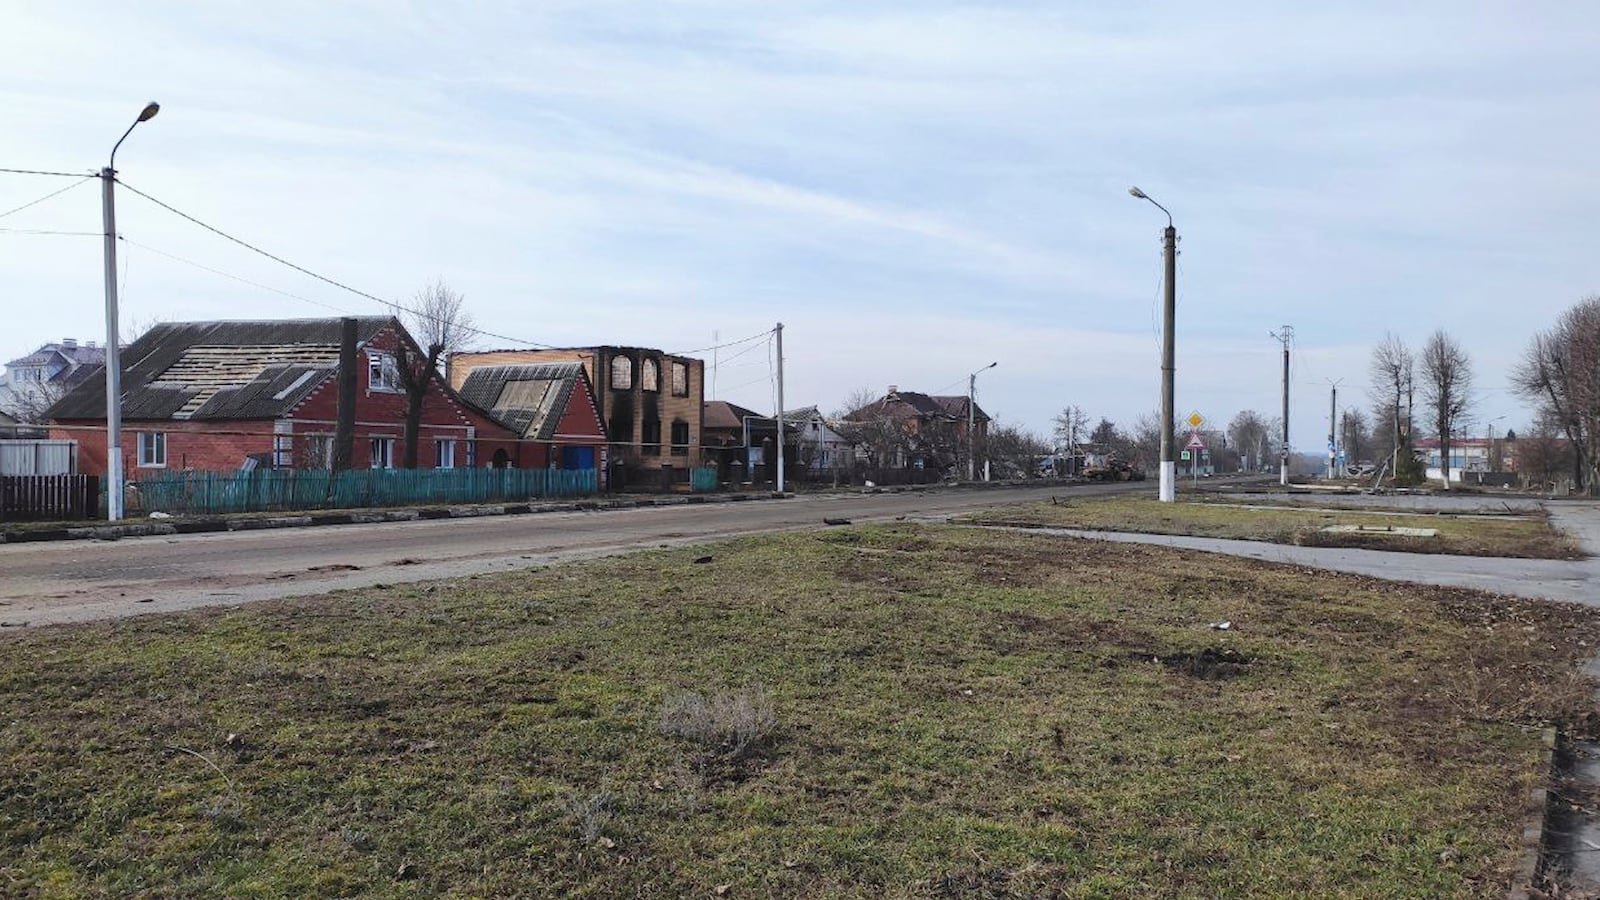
(108, 178)
(1169, 252)
(972, 395)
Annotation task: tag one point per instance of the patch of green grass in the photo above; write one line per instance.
(940, 711)
(1465, 535)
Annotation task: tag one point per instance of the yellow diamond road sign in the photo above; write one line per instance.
(1195, 420)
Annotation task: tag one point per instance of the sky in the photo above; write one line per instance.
(914, 190)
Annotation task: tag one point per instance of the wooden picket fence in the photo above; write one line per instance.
(286, 490)
(48, 497)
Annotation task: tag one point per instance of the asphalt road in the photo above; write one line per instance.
(75, 581)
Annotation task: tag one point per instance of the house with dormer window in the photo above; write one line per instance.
(224, 396)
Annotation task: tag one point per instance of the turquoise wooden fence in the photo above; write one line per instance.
(197, 493)
(703, 479)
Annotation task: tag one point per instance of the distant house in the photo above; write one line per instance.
(1466, 455)
(817, 445)
(905, 429)
(31, 383)
(649, 402)
(550, 405)
(220, 396)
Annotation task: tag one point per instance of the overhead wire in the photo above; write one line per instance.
(753, 337)
(51, 231)
(391, 304)
(44, 172)
(239, 278)
(45, 197)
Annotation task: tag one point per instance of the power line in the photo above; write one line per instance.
(238, 278)
(747, 340)
(45, 197)
(100, 234)
(393, 305)
(43, 172)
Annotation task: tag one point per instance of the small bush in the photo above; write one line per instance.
(590, 814)
(731, 724)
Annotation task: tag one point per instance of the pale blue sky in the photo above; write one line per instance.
(915, 190)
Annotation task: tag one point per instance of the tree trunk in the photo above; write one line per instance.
(413, 430)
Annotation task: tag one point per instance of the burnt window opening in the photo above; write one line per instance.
(650, 440)
(621, 429)
(680, 379)
(680, 438)
(650, 375)
(621, 373)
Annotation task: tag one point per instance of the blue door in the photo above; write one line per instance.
(577, 457)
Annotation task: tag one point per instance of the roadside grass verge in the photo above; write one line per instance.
(1519, 537)
(872, 711)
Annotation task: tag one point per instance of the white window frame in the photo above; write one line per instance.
(382, 373)
(444, 453)
(152, 449)
(382, 451)
(283, 451)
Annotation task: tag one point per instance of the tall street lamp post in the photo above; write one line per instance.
(1169, 252)
(972, 442)
(108, 178)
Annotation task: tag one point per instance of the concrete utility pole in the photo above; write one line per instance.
(779, 416)
(1169, 448)
(972, 436)
(1286, 335)
(108, 178)
(1333, 426)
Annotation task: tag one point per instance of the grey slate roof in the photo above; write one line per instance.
(528, 399)
(914, 404)
(219, 370)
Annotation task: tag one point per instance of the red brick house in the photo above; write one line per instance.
(913, 429)
(221, 396)
(552, 407)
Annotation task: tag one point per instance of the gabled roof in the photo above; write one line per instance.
(529, 400)
(74, 356)
(724, 415)
(220, 370)
(912, 404)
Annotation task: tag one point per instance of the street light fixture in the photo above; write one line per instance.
(108, 178)
(972, 395)
(1169, 252)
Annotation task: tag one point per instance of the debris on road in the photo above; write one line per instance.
(835, 521)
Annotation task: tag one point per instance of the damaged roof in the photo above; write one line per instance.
(528, 399)
(220, 370)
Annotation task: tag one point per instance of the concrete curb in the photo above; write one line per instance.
(307, 520)
(1538, 810)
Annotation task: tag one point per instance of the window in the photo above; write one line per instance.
(621, 373)
(680, 438)
(680, 379)
(444, 454)
(472, 454)
(650, 375)
(650, 443)
(383, 453)
(382, 373)
(153, 449)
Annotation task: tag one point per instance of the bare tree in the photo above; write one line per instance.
(1560, 372)
(1447, 390)
(439, 323)
(1071, 424)
(1248, 432)
(1353, 434)
(1014, 451)
(1105, 433)
(1392, 371)
(862, 421)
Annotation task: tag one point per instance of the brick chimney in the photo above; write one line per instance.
(894, 388)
